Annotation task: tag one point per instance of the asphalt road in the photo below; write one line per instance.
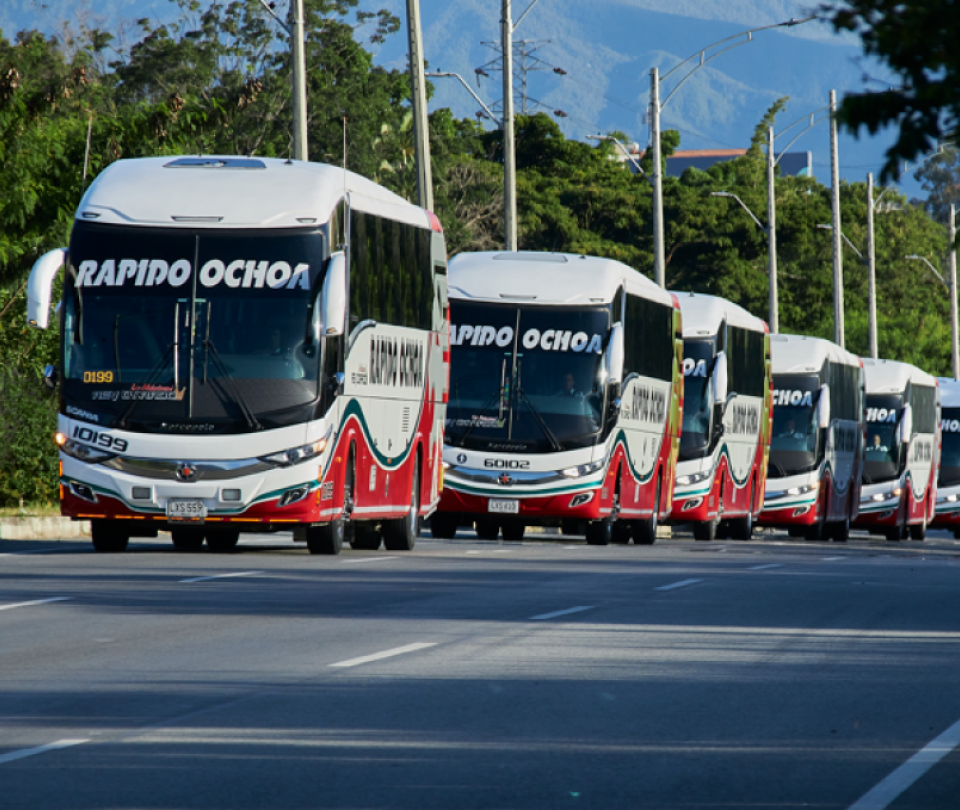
(547, 674)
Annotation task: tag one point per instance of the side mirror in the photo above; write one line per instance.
(40, 287)
(906, 424)
(333, 306)
(823, 407)
(720, 380)
(51, 376)
(613, 358)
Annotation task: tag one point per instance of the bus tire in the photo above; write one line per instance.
(366, 536)
(187, 538)
(894, 535)
(574, 528)
(741, 528)
(400, 534)
(222, 541)
(815, 531)
(840, 531)
(705, 532)
(486, 529)
(622, 531)
(327, 538)
(443, 525)
(108, 537)
(599, 532)
(918, 531)
(513, 532)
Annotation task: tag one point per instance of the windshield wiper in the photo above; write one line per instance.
(149, 380)
(226, 375)
(554, 442)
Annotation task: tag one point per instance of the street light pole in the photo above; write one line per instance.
(953, 293)
(838, 336)
(772, 234)
(418, 100)
(659, 272)
(300, 151)
(872, 270)
(509, 146)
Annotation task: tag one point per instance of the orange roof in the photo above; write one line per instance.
(703, 153)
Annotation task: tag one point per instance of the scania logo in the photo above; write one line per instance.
(186, 471)
(505, 479)
(461, 458)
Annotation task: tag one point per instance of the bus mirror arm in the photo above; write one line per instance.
(335, 382)
(40, 287)
(51, 376)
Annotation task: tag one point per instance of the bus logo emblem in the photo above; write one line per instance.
(186, 471)
(505, 479)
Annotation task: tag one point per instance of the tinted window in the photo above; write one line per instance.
(648, 339)
(746, 364)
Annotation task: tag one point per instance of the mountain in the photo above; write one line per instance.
(607, 48)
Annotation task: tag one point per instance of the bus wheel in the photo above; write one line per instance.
(918, 531)
(574, 528)
(894, 535)
(222, 541)
(840, 532)
(742, 528)
(108, 537)
(187, 538)
(366, 536)
(486, 529)
(443, 525)
(513, 532)
(599, 532)
(622, 530)
(815, 531)
(326, 538)
(705, 532)
(401, 534)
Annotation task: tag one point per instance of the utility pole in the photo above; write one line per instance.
(509, 154)
(838, 337)
(418, 99)
(953, 293)
(772, 233)
(872, 269)
(659, 273)
(300, 151)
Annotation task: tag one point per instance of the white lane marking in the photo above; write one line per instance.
(572, 546)
(681, 584)
(36, 602)
(31, 551)
(366, 560)
(473, 552)
(556, 613)
(503, 551)
(366, 659)
(12, 756)
(832, 559)
(223, 576)
(884, 793)
(764, 567)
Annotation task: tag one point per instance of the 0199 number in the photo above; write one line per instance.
(98, 376)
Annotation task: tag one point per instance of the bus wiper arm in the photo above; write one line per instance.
(238, 397)
(540, 421)
(149, 380)
(481, 412)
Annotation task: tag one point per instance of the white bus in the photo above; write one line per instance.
(948, 475)
(248, 344)
(727, 398)
(813, 474)
(902, 450)
(565, 392)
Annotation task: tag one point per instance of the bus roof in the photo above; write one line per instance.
(233, 192)
(799, 354)
(891, 376)
(536, 278)
(949, 392)
(703, 315)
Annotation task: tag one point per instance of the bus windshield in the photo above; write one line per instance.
(881, 460)
(794, 445)
(200, 329)
(950, 455)
(698, 360)
(525, 377)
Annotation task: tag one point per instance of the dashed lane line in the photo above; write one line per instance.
(556, 613)
(681, 584)
(367, 560)
(13, 756)
(35, 602)
(223, 576)
(366, 659)
(764, 567)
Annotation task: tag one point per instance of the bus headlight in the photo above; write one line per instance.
(696, 478)
(296, 455)
(804, 489)
(583, 469)
(84, 452)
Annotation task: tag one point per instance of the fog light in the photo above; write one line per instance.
(230, 494)
(693, 503)
(581, 499)
(82, 491)
(293, 495)
(801, 510)
(141, 493)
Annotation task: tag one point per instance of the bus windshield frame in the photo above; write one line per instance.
(883, 456)
(698, 436)
(949, 475)
(192, 330)
(796, 444)
(525, 377)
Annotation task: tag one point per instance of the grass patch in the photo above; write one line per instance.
(30, 510)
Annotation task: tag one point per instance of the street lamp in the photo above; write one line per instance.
(952, 288)
(295, 32)
(626, 153)
(656, 106)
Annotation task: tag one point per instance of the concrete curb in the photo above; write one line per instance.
(42, 528)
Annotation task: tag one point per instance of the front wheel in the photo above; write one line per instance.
(366, 536)
(443, 525)
(108, 537)
(918, 531)
(401, 534)
(840, 532)
(486, 529)
(326, 538)
(599, 533)
(894, 535)
(645, 531)
(705, 532)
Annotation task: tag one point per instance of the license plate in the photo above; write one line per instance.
(504, 507)
(186, 511)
